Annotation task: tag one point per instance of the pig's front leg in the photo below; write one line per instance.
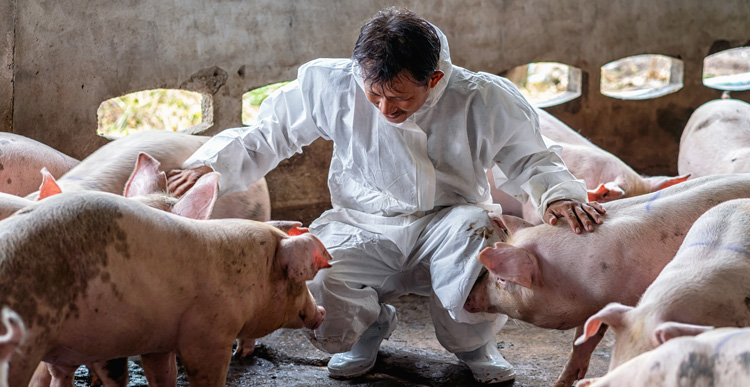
(578, 362)
(160, 369)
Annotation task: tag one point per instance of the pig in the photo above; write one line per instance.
(9, 204)
(716, 139)
(109, 167)
(554, 279)
(89, 293)
(146, 185)
(717, 357)
(9, 341)
(607, 177)
(705, 285)
(21, 159)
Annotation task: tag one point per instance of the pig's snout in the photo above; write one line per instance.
(318, 318)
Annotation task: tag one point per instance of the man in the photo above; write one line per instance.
(413, 136)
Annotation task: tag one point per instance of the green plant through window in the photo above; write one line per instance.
(161, 109)
(252, 99)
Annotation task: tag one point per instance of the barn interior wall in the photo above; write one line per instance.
(62, 58)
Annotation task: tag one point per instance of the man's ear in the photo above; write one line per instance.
(435, 78)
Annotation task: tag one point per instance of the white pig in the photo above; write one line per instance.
(547, 276)
(109, 167)
(9, 341)
(11, 203)
(707, 284)
(607, 177)
(716, 139)
(21, 158)
(120, 278)
(717, 357)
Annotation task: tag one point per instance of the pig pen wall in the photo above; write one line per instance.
(61, 59)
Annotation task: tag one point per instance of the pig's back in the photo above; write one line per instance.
(716, 139)
(109, 167)
(22, 159)
(695, 196)
(50, 251)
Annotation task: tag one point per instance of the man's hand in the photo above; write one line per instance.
(576, 213)
(181, 180)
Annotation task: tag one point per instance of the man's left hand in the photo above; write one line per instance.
(576, 213)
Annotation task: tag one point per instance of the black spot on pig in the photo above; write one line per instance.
(2, 166)
(56, 250)
(604, 266)
(747, 302)
(696, 370)
(9, 181)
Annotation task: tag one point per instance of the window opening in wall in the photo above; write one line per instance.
(252, 99)
(641, 77)
(728, 69)
(547, 84)
(160, 109)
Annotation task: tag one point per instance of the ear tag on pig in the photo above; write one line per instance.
(596, 195)
(661, 182)
(49, 186)
(198, 202)
(510, 263)
(146, 178)
(291, 227)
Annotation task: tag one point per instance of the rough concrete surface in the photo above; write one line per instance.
(411, 357)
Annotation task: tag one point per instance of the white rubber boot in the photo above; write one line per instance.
(487, 364)
(362, 357)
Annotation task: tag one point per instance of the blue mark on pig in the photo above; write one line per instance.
(655, 196)
(734, 249)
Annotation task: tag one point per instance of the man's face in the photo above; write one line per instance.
(401, 98)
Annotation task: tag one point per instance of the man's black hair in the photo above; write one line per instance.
(393, 41)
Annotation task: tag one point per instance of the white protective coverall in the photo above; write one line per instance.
(409, 200)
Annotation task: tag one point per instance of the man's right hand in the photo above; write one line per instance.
(181, 180)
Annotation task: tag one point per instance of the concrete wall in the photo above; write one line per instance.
(61, 59)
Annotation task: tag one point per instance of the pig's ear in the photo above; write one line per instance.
(670, 329)
(302, 256)
(146, 178)
(510, 263)
(49, 186)
(606, 192)
(198, 202)
(510, 223)
(656, 183)
(290, 227)
(612, 315)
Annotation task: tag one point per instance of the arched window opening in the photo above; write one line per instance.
(547, 84)
(641, 77)
(160, 109)
(728, 69)
(252, 99)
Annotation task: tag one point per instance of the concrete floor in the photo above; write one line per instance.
(411, 357)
